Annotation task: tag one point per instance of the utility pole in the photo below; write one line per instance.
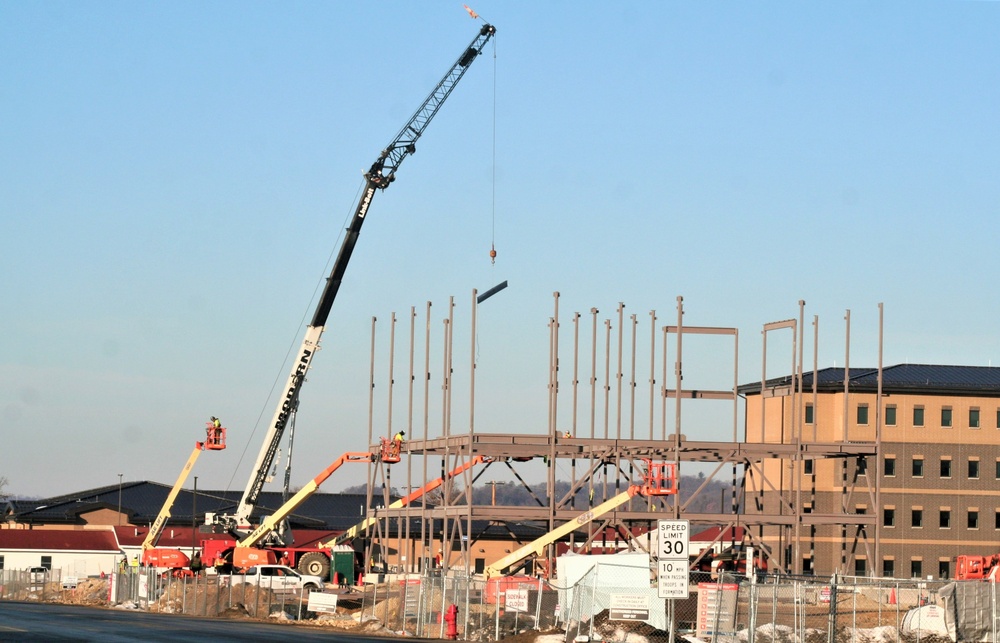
(494, 483)
(194, 517)
(120, 499)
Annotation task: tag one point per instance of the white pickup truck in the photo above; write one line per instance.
(277, 578)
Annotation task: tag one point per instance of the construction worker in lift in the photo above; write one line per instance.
(397, 442)
(215, 430)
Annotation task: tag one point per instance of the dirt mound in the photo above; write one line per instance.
(92, 591)
(239, 601)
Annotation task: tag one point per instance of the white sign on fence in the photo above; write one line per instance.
(322, 603)
(672, 545)
(516, 600)
(629, 607)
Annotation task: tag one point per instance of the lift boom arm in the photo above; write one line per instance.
(539, 544)
(164, 515)
(378, 177)
(271, 523)
(402, 502)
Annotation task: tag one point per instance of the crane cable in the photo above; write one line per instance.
(493, 222)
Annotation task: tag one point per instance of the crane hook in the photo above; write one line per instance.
(493, 255)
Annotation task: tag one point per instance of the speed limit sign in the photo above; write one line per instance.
(672, 539)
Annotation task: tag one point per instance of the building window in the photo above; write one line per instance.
(862, 414)
(861, 510)
(860, 567)
(918, 467)
(888, 517)
(917, 518)
(946, 417)
(996, 520)
(944, 519)
(1, 562)
(945, 467)
(998, 418)
(890, 415)
(943, 569)
(888, 568)
(973, 469)
(973, 418)
(973, 519)
(480, 565)
(890, 466)
(807, 565)
(811, 414)
(918, 416)
(807, 467)
(998, 470)
(862, 466)
(916, 569)
(47, 562)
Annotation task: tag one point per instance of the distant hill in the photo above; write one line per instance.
(714, 498)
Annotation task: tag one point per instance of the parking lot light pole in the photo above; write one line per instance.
(120, 499)
(194, 516)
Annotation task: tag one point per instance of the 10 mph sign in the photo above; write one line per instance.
(673, 538)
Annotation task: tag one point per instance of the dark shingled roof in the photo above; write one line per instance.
(901, 378)
(142, 501)
(320, 514)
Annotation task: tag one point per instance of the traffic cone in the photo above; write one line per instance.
(892, 596)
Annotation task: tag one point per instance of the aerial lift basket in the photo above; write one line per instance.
(389, 451)
(215, 437)
(660, 479)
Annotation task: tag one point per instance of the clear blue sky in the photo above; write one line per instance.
(174, 176)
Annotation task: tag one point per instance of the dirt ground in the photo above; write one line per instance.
(92, 591)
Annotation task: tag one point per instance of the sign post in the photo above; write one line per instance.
(673, 540)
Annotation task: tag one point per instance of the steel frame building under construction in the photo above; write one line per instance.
(600, 428)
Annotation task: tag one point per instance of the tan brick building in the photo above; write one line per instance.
(932, 493)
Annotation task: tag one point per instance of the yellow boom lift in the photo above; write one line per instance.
(173, 558)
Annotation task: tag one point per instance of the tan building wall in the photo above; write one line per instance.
(940, 457)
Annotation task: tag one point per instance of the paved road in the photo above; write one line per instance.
(48, 622)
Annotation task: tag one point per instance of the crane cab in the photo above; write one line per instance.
(389, 450)
(660, 478)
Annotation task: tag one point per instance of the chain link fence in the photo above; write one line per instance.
(606, 602)
(484, 610)
(206, 595)
(34, 583)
